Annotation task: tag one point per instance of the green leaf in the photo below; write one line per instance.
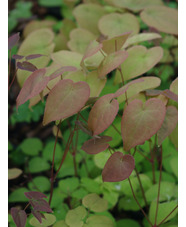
(174, 165)
(162, 18)
(79, 193)
(164, 210)
(31, 146)
(18, 195)
(128, 223)
(48, 3)
(115, 24)
(68, 185)
(48, 151)
(14, 173)
(49, 220)
(101, 159)
(74, 218)
(127, 203)
(95, 203)
(39, 183)
(90, 185)
(60, 224)
(38, 164)
(22, 10)
(98, 221)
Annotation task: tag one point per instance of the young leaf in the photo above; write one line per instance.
(17, 57)
(111, 62)
(118, 167)
(169, 124)
(35, 195)
(114, 44)
(140, 121)
(37, 215)
(167, 93)
(96, 145)
(95, 203)
(26, 66)
(35, 83)
(74, 218)
(41, 205)
(19, 217)
(33, 56)
(12, 40)
(115, 24)
(61, 70)
(162, 18)
(65, 100)
(103, 114)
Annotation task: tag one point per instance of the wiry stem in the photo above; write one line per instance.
(123, 83)
(12, 80)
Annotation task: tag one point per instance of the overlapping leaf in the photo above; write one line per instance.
(164, 19)
(19, 217)
(103, 114)
(65, 99)
(26, 66)
(141, 121)
(12, 40)
(96, 145)
(115, 24)
(118, 167)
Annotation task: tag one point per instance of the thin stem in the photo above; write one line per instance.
(135, 149)
(116, 129)
(27, 206)
(139, 203)
(12, 80)
(152, 161)
(167, 216)
(52, 169)
(82, 117)
(48, 88)
(9, 68)
(102, 53)
(159, 184)
(123, 82)
(141, 186)
(143, 155)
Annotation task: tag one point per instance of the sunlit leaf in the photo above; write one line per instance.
(60, 224)
(26, 66)
(118, 167)
(64, 100)
(139, 61)
(88, 15)
(14, 173)
(35, 83)
(111, 62)
(103, 114)
(174, 86)
(115, 24)
(12, 40)
(115, 43)
(164, 19)
(96, 145)
(141, 121)
(61, 70)
(98, 221)
(37, 42)
(95, 203)
(74, 218)
(49, 220)
(80, 39)
(19, 217)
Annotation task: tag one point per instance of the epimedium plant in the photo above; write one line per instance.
(141, 116)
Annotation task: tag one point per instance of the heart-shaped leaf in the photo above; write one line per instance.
(37, 42)
(167, 93)
(96, 145)
(65, 100)
(88, 15)
(35, 83)
(164, 19)
(26, 66)
(140, 121)
(103, 114)
(118, 167)
(80, 39)
(98, 221)
(19, 217)
(111, 62)
(115, 24)
(12, 40)
(139, 61)
(114, 44)
(169, 124)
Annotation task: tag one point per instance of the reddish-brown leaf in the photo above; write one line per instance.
(96, 145)
(65, 99)
(103, 114)
(61, 70)
(19, 217)
(141, 121)
(33, 56)
(167, 93)
(169, 124)
(26, 66)
(17, 57)
(35, 83)
(37, 215)
(12, 40)
(41, 205)
(35, 195)
(118, 167)
(111, 62)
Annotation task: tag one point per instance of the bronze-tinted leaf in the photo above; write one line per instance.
(111, 62)
(35, 83)
(103, 114)
(96, 145)
(19, 217)
(33, 56)
(118, 167)
(34, 195)
(169, 124)
(17, 57)
(26, 66)
(12, 40)
(115, 24)
(37, 215)
(65, 100)
(61, 70)
(41, 205)
(164, 19)
(140, 121)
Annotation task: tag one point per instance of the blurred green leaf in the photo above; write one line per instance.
(37, 165)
